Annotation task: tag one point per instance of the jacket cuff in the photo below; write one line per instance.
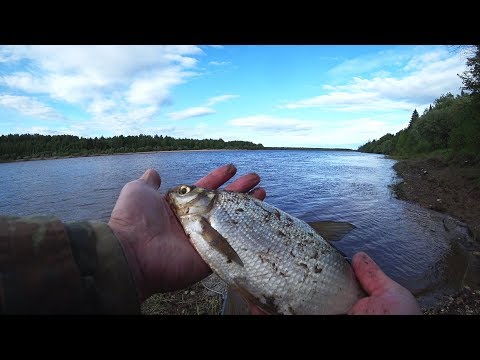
(106, 277)
(47, 267)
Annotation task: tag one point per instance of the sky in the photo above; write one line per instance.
(298, 95)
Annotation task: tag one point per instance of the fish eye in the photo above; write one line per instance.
(184, 190)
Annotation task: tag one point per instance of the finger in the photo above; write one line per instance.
(244, 183)
(258, 193)
(365, 306)
(151, 178)
(217, 177)
(372, 278)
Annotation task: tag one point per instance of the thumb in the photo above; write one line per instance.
(151, 178)
(372, 278)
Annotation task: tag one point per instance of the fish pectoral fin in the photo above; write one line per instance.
(217, 241)
(234, 303)
(331, 230)
(247, 297)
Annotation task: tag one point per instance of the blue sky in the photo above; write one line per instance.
(315, 96)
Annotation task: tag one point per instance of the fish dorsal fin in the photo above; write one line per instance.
(331, 230)
(216, 240)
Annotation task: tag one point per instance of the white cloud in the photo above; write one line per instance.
(217, 99)
(350, 133)
(112, 83)
(108, 61)
(432, 79)
(369, 62)
(201, 110)
(191, 112)
(155, 88)
(100, 106)
(217, 46)
(433, 74)
(367, 128)
(23, 81)
(7, 54)
(381, 73)
(134, 122)
(350, 101)
(270, 124)
(130, 120)
(283, 131)
(420, 61)
(28, 106)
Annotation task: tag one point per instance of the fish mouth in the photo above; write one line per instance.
(171, 202)
(175, 210)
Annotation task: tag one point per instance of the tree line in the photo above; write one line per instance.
(451, 124)
(30, 146)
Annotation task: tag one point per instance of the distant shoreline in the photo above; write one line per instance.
(165, 151)
(122, 153)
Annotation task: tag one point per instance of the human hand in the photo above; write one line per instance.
(385, 296)
(157, 249)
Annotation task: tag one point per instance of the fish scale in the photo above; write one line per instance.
(273, 259)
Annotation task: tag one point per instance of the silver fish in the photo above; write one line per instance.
(273, 259)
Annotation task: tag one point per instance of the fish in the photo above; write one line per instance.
(271, 258)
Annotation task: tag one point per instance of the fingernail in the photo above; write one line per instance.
(231, 169)
(147, 173)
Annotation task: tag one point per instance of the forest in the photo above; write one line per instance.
(34, 146)
(451, 125)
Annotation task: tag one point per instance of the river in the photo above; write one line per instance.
(410, 243)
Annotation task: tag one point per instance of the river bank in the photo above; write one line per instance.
(453, 189)
(436, 185)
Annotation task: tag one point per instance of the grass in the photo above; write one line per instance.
(203, 298)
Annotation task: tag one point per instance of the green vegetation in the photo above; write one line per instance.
(471, 77)
(26, 146)
(451, 127)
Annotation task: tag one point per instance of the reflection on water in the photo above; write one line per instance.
(410, 243)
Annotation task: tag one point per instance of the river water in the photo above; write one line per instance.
(410, 243)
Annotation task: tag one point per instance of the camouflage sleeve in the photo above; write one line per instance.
(47, 267)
